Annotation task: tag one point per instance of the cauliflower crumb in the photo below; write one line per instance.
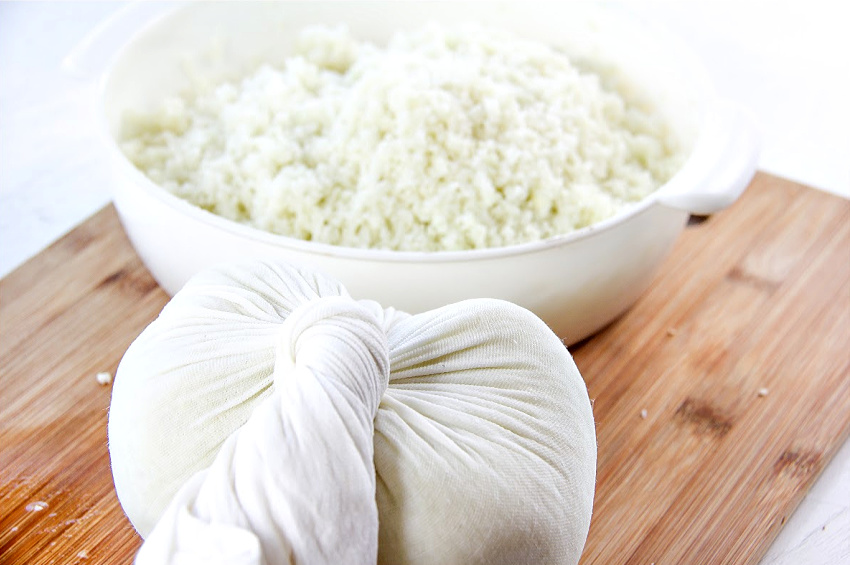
(446, 139)
(104, 378)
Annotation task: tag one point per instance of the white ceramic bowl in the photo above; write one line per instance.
(577, 282)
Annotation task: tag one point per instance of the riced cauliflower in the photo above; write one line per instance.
(444, 139)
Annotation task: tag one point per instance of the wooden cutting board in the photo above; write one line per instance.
(719, 397)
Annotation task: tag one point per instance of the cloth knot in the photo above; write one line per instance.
(340, 342)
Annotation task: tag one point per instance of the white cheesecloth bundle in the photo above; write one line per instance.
(266, 417)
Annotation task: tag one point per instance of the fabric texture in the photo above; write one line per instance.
(267, 417)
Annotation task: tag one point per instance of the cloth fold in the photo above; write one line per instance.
(265, 499)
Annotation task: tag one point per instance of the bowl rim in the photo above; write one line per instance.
(245, 231)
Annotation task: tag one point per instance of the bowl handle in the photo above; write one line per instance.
(721, 166)
(91, 56)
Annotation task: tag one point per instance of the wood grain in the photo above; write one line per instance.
(738, 355)
(66, 315)
(756, 300)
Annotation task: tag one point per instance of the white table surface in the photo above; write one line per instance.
(788, 61)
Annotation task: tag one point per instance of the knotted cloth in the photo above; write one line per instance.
(266, 417)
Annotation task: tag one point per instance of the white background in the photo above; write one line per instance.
(788, 61)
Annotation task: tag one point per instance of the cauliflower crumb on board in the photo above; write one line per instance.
(445, 139)
(103, 378)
